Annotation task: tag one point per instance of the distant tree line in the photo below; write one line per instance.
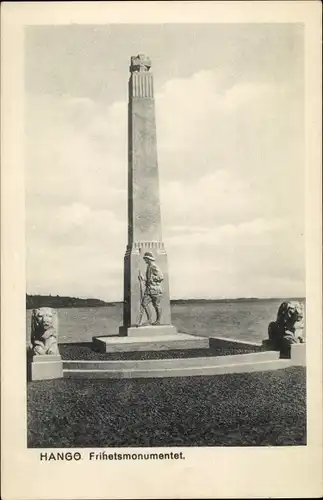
(55, 301)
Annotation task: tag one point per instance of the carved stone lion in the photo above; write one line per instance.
(44, 331)
(288, 327)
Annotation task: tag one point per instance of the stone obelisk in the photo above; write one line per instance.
(144, 218)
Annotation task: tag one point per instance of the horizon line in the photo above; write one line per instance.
(249, 297)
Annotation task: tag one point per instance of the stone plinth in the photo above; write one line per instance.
(298, 354)
(156, 343)
(46, 367)
(181, 367)
(148, 331)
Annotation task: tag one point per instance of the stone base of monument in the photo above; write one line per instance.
(45, 367)
(298, 354)
(156, 342)
(147, 331)
(182, 367)
(134, 357)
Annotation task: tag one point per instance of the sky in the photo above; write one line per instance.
(230, 132)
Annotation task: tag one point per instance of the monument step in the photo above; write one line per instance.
(148, 330)
(155, 343)
(229, 341)
(152, 364)
(175, 371)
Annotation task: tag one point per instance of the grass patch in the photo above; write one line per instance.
(249, 409)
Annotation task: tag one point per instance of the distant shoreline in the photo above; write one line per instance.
(56, 301)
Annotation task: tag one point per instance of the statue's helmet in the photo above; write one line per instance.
(149, 256)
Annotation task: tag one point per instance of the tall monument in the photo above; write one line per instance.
(146, 286)
(146, 314)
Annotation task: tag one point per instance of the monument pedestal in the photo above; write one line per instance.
(147, 331)
(146, 280)
(298, 354)
(156, 342)
(46, 367)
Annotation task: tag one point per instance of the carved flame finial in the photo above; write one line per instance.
(140, 63)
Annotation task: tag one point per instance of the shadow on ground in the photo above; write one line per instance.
(249, 409)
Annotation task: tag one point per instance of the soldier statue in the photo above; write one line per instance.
(152, 292)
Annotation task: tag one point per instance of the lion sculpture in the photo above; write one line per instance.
(44, 331)
(288, 327)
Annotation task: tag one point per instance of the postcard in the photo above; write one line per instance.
(161, 250)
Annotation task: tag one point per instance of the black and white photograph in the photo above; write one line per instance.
(166, 261)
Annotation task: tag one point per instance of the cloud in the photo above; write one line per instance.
(247, 127)
(230, 158)
(211, 200)
(76, 251)
(245, 259)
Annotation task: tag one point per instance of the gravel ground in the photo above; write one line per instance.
(84, 351)
(250, 409)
